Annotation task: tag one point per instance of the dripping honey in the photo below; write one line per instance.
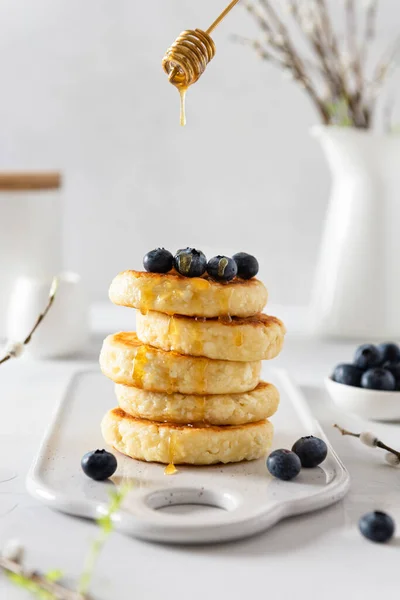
(170, 469)
(238, 338)
(139, 364)
(146, 298)
(182, 104)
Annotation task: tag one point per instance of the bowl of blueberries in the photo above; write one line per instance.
(369, 386)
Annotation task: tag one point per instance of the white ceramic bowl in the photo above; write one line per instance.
(374, 405)
(65, 330)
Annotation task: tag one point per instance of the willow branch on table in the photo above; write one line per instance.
(371, 440)
(37, 583)
(47, 586)
(52, 294)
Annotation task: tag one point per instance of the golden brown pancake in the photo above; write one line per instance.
(183, 444)
(259, 337)
(172, 293)
(223, 409)
(124, 359)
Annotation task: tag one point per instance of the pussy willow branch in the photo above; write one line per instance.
(381, 72)
(56, 590)
(336, 74)
(309, 36)
(323, 41)
(388, 110)
(341, 63)
(295, 61)
(52, 293)
(351, 23)
(261, 51)
(370, 29)
(379, 444)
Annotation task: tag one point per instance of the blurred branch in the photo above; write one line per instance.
(16, 349)
(337, 76)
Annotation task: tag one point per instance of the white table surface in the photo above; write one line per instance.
(320, 555)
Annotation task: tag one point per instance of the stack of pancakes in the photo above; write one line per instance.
(188, 381)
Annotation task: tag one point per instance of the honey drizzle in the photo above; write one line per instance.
(238, 338)
(202, 378)
(170, 469)
(146, 298)
(182, 94)
(225, 305)
(172, 333)
(197, 339)
(203, 409)
(139, 364)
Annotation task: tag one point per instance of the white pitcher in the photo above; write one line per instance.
(356, 292)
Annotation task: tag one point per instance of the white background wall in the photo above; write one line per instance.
(82, 90)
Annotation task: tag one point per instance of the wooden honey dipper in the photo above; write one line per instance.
(186, 60)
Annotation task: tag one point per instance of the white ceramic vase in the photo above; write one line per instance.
(356, 291)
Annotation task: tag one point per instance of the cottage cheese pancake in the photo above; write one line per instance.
(124, 359)
(183, 444)
(172, 293)
(222, 409)
(243, 339)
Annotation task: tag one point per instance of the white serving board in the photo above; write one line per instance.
(251, 499)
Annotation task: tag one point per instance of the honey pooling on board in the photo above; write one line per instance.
(186, 60)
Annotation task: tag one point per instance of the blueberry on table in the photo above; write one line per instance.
(377, 526)
(158, 261)
(190, 262)
(247, 265)
(348, 375)
(378, 379)
(312, 451)
(222, 268)
(283, 464)
(390, 352)
(367, 356)
(99, 464)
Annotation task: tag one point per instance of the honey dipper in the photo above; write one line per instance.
(186, 60)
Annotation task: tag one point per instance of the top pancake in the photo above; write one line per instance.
(172, 294)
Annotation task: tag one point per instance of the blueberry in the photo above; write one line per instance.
(378, 379)
(222, 268)
(190, 262)
(99, 464)
(283, 464)
(390, 352)
(247, 265)
(348, 375)
(158, 261)
(377, 526)
(367, 356)
(394, 368)
(311, 451)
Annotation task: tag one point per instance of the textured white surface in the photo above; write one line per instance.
(295, 557)
(83, 91)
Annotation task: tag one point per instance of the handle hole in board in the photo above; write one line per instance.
(190, 500)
